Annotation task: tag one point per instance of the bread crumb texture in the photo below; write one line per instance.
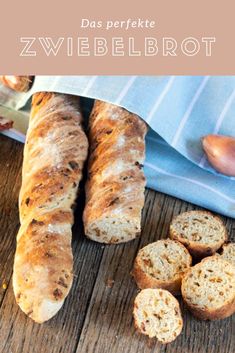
(208, 288)
(228, 253)
(157, 314)
(200, 231)
(161, 265)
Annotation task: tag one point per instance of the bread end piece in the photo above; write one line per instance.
(38, 311)
(41, 281)
(41, 299)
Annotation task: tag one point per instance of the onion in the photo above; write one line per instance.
(220, 151)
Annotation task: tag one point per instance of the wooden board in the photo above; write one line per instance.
(97, 315)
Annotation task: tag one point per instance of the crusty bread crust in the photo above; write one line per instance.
(197, 249)
(146, 280)
(143, 280)
(205, 312)
(55, 150)
(227, 310)
(116, 182)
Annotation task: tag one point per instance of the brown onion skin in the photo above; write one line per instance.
(17, 83)
(220, 151)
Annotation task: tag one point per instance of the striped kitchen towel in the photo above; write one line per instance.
(179, 110)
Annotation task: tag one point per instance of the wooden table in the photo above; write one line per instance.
(97, 315)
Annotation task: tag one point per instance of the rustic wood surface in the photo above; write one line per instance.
(97, 315)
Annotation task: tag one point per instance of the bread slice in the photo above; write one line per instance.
(228, 253)
(200, 231)
(161, 265)
(208, 289)
(157, 314)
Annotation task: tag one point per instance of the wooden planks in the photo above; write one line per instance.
(10, 178)
(97, 315)
(109, 325)
(17, 332)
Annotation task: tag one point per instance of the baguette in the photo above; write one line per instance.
(55, 150)
(116, 182)
(200, 231)
(162, 265)
(157, 314)
(208, 289)
(17, 83)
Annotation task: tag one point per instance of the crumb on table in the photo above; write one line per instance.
(109, 283)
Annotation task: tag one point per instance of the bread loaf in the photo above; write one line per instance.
(55, 150)
(17, 83)
(208, 289)
(157, 314)
(161, 265)
(115, 186)
(200, 231)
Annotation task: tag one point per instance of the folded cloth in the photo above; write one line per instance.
(179, 110)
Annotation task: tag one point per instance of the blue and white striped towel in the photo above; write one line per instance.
(180, 110)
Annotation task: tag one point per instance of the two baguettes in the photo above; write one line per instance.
(116, 182)
(54, 154)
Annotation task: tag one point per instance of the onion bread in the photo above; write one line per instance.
(55, 150)
(200, 231)
(228, 253)
(116, 182)
(161, 265)
(208, 289)
(157, 314)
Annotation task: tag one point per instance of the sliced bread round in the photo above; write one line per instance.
(200, 231)
(161, 265)
(228, 253)
(157, 314)
(208, 289)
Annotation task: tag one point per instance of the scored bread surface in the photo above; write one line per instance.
(161, 265)
(55, 150)
(157, 314)
(200, 231)
(116, 182)
(208, 289)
